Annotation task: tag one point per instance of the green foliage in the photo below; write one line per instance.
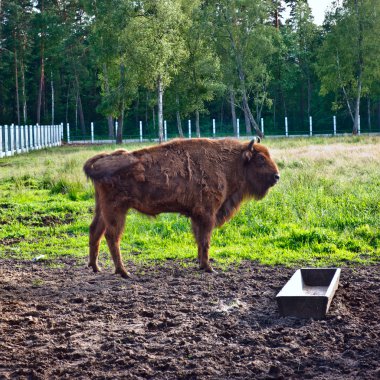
(105, 59)
(348, 63)
(324, 211)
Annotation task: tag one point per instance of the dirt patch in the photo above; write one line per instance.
(173, 322)
(39, 220)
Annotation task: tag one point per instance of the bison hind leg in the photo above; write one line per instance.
(202, 228)
(97, 229)
(114, 221)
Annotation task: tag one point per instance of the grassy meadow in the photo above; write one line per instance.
(324, 211)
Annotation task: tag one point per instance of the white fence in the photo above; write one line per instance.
(138, 136)
(23, 138)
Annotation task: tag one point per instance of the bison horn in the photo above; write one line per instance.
(256, 140)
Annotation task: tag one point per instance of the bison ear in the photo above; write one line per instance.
(247, 155)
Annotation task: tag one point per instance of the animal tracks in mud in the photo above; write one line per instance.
(175, 322)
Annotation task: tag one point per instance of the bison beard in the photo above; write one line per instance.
(205, 180)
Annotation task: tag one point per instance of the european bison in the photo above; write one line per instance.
(205, 180)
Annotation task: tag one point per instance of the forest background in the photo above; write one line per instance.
(102, 61)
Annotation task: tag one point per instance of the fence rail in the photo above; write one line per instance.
(24, 138)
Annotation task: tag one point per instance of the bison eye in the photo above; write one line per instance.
(260, 159)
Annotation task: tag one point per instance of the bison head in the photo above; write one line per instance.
(261, 171)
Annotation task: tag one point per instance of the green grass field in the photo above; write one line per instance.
(324, 211)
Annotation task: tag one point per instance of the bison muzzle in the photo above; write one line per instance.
(205, 180)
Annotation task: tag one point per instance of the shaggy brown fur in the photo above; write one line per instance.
(205, 180)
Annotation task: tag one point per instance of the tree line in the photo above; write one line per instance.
(77, 61)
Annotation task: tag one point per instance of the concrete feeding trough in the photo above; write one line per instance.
(308, 293)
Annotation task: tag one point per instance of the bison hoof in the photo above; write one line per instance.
(94, 267)
(209, 269)
(123, 273)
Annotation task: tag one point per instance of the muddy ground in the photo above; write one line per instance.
(173, 322)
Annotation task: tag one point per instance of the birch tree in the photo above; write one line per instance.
(242, 27)
(154, 45)
(348, 61)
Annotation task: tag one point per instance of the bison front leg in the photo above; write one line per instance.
(97, 230)
(114, 229)
(202, 228)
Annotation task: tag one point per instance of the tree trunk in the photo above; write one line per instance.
(81, 116)
(137, 106)
(41, 86)
(24, 108)
(111, 132)
(241, 75)
(119, 136)
(146, 109)
(179, 122)
(248, 129)
(360, 64)
(355, 129)
(302, 103)
(42, 75)
(154, 119)
(369, 114)
(308, 95)
(197, 128)
(52, 98)
(17, 91)
(120, 125)
(233, 110)
(160, 110)
(76, 113)
(250, 116)
(222, 113)
(67, 104)
(79, 105)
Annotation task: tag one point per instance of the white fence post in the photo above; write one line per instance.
(68, 132)
(47, 135)
(35, 142)
(262, 126)
(22, 139)
(17, 133)
(12, 139)
(51, 134)
(311, 125)
(213, 128)
(116, 128)
(26, 138)
(1, 142)
(57, 135)
(189, 122)
(358, 124)
(334, 121)
(61, 129)
(92, 132)
(22, 142)
(6, 144)
(141, 132)
(165, 131)
(237, 128)
(30, 137)
(286, 127)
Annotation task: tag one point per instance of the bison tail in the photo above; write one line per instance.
(104, 166)
(89, 168)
